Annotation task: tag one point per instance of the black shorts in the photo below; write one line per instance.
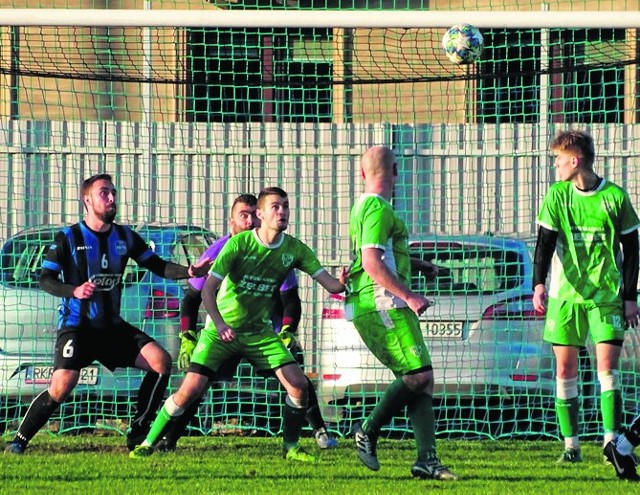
(115, 346)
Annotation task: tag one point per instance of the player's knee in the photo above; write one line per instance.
(62, 384)
(165, 364)
(157, 358)
(420, 383)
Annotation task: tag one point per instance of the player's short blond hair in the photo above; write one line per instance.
(577, 143)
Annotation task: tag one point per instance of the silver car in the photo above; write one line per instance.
(29, 315)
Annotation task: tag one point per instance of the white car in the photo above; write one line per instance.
(483, 334)
(485, 341)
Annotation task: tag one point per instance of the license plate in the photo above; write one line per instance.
(443, 329)
(41, 374)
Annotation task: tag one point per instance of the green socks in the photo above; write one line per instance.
(420, 412)
(567, 411)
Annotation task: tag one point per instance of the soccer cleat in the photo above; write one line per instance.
(366, 447)
(570, 456)
(15, 448)
(432, 469)
(624, 465)
(165, 445)
(137, 435)
(300, 455)
(325, 441)
(141, 451)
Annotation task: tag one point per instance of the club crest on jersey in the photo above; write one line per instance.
(105, 281)
(287, 259)
(121, 247)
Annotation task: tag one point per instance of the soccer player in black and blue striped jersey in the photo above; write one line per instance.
(84, 267)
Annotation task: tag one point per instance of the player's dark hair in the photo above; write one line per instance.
(245, 199)
(270, 191)
(87, 183)
(578, 143)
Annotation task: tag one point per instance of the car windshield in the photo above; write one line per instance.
(22, 259)
(186, 249)
(22, 256)
(467, 269)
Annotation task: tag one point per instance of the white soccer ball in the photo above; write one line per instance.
(463, 43)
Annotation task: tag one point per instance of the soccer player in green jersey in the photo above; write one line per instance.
(385, 312)
(239, 298)
(585, 224)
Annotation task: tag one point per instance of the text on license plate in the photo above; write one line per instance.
(443, 329)
(42, 374)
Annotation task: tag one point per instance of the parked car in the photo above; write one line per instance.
(484, 338)
(483, 334)
(29, 315)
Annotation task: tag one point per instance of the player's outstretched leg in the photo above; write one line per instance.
(39, 412)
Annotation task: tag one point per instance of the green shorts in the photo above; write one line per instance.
(264, 350)
(569, 323)
(394, 337)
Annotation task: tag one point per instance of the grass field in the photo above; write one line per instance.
(95, 465)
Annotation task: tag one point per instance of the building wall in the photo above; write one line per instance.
(81, 98)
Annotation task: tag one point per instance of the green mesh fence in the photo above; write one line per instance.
(187, 118)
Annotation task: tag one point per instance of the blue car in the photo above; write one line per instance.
(29, 315)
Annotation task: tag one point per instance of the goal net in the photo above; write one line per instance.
(189, 108)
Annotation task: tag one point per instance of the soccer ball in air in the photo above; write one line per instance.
(463, 43)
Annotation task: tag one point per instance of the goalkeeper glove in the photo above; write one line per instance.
(188, 341)
(288, 338)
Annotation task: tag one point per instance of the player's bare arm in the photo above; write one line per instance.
(209, 292)
(332, 284)
(374, 265)
(200, 268)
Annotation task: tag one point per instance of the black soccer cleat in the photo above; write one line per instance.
(366, 447)
(16, 447)
(624, 465)
(432, 469)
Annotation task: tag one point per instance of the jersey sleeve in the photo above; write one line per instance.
(376, 220)
(210, 253)
(309, 262)
(629, 218)
(291, 282)
(56, 254)
(139, 251)
(548, 216)
(225, 259)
